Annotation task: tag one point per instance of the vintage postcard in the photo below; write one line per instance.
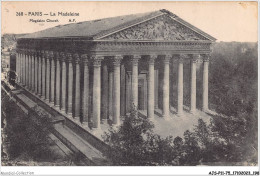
(129, 84)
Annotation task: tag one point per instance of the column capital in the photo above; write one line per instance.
(84, 58)
(117, 60)
(179, 58)
(151, 59)
(206, 57)
(96, 60)
(69, 57)
(167, 58)
(135, 59)
(56, 55)
(76, 58)
(31, 52)
(46, 54)
(62, 56)
(50, 55)
(194, 58)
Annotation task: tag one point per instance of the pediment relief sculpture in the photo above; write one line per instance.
(160, 28)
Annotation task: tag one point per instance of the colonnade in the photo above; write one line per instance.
(56, 78)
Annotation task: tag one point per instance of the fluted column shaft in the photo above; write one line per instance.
(17, 67)
(57, 98)
(85, 89)
(97, 92)
(193, 83)
(135, 80)
(110, 98)
(104, 91)
(40, 63)
(180, 86)
(150, 108)
(36, 74)
(166, 93)
(48, 70)
(205, 83)
(43, 76)
(27, 71)
(52, 79)
(21, 68)
(30, 70)
(70, 84)
(116, 90)
(33, 73)
(63, 83)
(77, 86)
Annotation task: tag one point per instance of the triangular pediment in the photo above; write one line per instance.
(161, 28)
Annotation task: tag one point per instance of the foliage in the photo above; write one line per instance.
(27, 135)
(233, 89)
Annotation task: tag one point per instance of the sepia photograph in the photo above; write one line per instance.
(148, 83)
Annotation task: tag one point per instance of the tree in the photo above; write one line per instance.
(134, 143)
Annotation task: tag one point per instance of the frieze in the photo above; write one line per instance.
(160, 28)
(151, 46)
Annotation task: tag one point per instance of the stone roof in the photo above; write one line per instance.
(98, 28)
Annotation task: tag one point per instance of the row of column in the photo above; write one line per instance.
(50, 75)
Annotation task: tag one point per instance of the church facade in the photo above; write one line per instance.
(96, 71)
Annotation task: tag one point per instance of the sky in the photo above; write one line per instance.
(226, 21)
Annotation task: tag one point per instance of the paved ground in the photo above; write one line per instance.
(174, 126)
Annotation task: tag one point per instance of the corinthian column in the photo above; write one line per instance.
(17, 66)
(85, 89)
(21, 67)
(150, 108)
(116, 90)
(36, 73)
(52, 79)
(57, 97)
(43, 80)
(180, 85)
(96, 92)
(104, 96)
(166, 93)
(63, 82)
(193, 62)
(77, 86)
(48, 75)
(70, 84)
(40, 74)
(135, 80)
(33, 69)
(28, 70)
(205, 82)
(110, 98)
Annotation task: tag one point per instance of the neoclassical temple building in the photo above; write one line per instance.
(95, 71)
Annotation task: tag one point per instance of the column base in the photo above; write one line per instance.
(194, 111)
(205, 109)
(166, 117)
(47, 100)
(69, 115)
(180, 114)
(57, 107)
(115, 126)
(96, 131)
(85, 125)
(103, 121)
